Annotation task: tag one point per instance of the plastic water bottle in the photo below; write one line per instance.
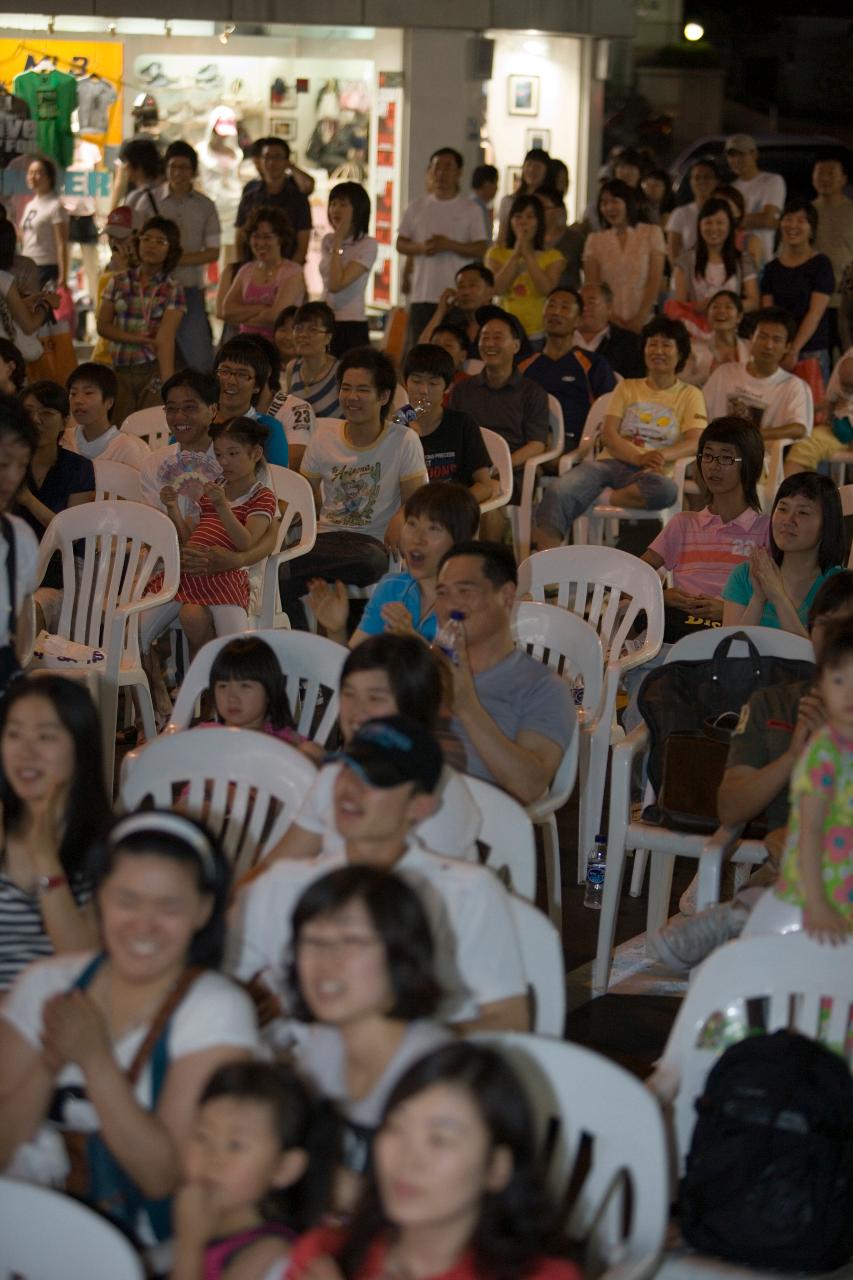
(596, 864)
(577, 691)
(408, 414)
(447, 637)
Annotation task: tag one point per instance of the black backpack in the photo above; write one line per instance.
(769, 1179)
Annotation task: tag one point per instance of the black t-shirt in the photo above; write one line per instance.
(792, 288)
(290, 199)
(455, 450)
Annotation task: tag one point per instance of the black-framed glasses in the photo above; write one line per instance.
(722, 459)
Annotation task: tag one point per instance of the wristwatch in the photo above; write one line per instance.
(44, 884)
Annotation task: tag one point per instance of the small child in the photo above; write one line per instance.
(248, 690)
(257, 1167)
(235, 513)
(817, 866)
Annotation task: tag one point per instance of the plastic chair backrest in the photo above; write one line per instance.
(502, 464)
(544, 967)
(507, 833)
(760, 983)
(114, 480)
(564, 641)
(296, 535)
(595, 1120)
(150, 425)
(771, 642)
(606, 587)
(124, 545)
(38, 1226)
(311, 665)
(246, 787)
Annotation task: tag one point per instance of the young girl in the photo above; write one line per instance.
(775, 588)
(455, 1188)
(817, 867)
(248, 690)
(236, 512)
(257, 1166)
(434, 518)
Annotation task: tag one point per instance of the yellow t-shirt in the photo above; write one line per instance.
(523, 299)
(651, 418)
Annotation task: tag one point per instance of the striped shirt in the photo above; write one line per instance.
(22, 933)
(702, 551)
(322, 395)
(232, 585)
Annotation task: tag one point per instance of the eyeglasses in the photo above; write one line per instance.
(149, 239)
(722, 459)
(239, 375)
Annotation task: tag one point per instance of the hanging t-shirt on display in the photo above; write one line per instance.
(94, 99)
(17, 130)
(51, 97)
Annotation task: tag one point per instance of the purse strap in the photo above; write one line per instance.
(159, 1021)
(721, 653)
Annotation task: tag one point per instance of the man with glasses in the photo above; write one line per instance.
(278, 189)
(763, 193)
(243, 371)
(198, 221)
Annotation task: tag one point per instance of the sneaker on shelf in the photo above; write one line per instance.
(687, 901)
(683, 944)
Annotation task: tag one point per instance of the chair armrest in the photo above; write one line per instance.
(716, 848)
(603, 714)
(571, 459)
(622, 759)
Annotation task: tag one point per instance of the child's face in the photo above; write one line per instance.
(285, 341)
(425, 390)
(233, 1149)
(836, 689)
(88, 406)
(241, 704)
(423, 542)
(237, 460)
(364, 696)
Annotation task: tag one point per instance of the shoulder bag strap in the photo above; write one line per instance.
(161, 1018)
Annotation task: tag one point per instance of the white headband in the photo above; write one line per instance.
(173, 824)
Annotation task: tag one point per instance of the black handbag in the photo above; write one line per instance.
(683, 705)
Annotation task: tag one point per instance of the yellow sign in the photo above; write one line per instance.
(96, 58)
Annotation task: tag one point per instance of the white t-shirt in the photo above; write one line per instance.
(685, 220)
(459, 219)
(348, 303)
(765, 402)
(26, 562)
(213, 1012)
(295, 415)
(451, 831)
(361, 484)
(762, 190)
(478, 959)
(112, 446)
(38, 240)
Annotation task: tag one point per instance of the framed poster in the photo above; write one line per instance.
(537, 139)
(513, 178)
(523, 95)
(283, 127)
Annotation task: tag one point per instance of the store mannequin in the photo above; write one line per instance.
(219, 160)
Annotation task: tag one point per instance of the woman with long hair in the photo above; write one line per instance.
(775, 587)
(535, 172)
(715, 263)
(347, 255)
(681, 229)
(722, 344)
(525, 271)
(270, 281)
(55, 811)
(629, 256)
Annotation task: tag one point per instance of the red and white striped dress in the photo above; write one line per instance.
(231, 586)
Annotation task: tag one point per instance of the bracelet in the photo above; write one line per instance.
(44, 884)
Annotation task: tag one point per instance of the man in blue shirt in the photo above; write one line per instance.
(573, 376)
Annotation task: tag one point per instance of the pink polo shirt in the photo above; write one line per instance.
(701, 550)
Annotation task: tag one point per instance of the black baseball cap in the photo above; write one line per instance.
(394, 749)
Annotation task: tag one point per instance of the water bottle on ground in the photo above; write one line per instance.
(447, 637)
(596, 864)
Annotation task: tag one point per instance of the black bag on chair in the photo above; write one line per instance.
(684, 705)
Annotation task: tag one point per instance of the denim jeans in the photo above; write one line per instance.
(354, 558)
(570, 496)
(194, 340)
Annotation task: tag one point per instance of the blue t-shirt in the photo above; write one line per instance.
(739, 590)
(400, 587)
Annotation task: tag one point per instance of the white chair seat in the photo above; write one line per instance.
(45, 1234)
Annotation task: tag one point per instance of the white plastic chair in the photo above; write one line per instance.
(114, 480)
(710, 851)
(507, 833)
(502, 464)
(608, 588)
(246, 786)
(522, 516)
(544, 968)
(311, 665)
(838, 464)
(46, 1234)
(296, 503)
(571, 648)
(621, 1207)
(124, 545)
(150, 425)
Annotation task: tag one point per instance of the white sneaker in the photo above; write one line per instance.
(683, 944)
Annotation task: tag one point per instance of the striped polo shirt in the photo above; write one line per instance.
(701, 550)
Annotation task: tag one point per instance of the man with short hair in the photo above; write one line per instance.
(196, 216)
(242, 370)
(92, 392)
(834, 235)
(453, 445)
(574, 377)
(763, 193)
(514, 716)
(362, 469)
(484, 188)
(595, 332)
(761, 391)
(141, 170)
(386, 782)
(473, 288)
(277, 188)
(440, 231)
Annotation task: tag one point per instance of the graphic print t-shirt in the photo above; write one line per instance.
(51, 98)
(652, 418)
(455, 450)
(17, 130)
(361, 486)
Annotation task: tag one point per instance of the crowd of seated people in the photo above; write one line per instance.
(246, 1073)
